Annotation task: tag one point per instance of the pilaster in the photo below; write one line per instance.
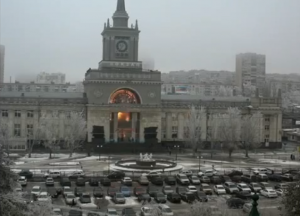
(169, 125)
(180, 125)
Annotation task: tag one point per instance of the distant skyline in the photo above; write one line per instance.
(65, 35)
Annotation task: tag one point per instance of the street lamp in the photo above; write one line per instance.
(199, 157)
(108, 164)
(99, 147)
(176, 147)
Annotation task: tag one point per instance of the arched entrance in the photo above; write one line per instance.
(124, 126)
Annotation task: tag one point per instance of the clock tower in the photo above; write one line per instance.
(120, 42)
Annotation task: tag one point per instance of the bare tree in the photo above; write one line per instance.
(291, 199)
(291, 99)
(35, 137)
(5, 136)
(251, 131)
(248, 90)
(193, 131)
(224, 91)
(228, 129)
(75, 131)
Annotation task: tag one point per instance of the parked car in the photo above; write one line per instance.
(53, 192)
(247, 207)
(201, 196)
(204, 179)
(174, 197)
(112, 190)
(76, 174)
(165, 210)
(188, 197)
(235, 203)
(128, 212)
(159, 197)
(281, 186)
(191, 188)
(126, 191)
(98, 192)
(78, 191)
(188, 173)
(279, 192)
(208, 172)
(22, 181)
(248, 178)
(153, 174)
(215, 179)
(105, 181)
(182, 179)
(230, 187)
(49, 181)
(36, 190)
(180, 190)
(235, 173)
(243, 194)
(225, 178)
(264, 185)
(194, 180)
(206, 189)
(80, 181)
(167, 189)
(287, 177)
(170, 180)
(243, 187)
(262, 177)
(52, 173)
(257, 171)
(57, 212)
(147, 211)
(139, 190)
(43, 197)
(28, 174)
(70, 199)
(65, 182)
(157, 181)
(94, 182)
(66, 190)
(116, 175)
(255, 187)
(275, 177)
(85, 198)
(143, 180)
(111, 212)
(270, 193)
(75, 212)
(144, 197)
(219, 189)
(151, 190)
(126, 181)
(119, 198)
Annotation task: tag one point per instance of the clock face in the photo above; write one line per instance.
(122, 46)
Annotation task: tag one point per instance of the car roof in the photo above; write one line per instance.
(204, 184)
(164, 206)
(36, 186)
(111, 209)
(43, 193)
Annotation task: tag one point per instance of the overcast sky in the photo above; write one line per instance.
(65, 35)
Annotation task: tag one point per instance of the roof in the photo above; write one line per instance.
(68, 95)
(205, 98)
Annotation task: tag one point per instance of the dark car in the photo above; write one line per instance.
(116, 176)
(170, 180)
(215, 179)
(105, 181)
(119, 198)
(236, 203)
(98, 192)
(236, 178)
(85, 198)
(204, 179)
(144, 197)
(282, 186)
(180, 190)
(65, 182)
(54, 192)
(75, 212)
(262, 178)
(235, 173)
(201, 196)
(188, 197)
(92, 214)
(206, 189)
(128, 212)
(243, 194)
(111, 191)
(159, 197)
(26, 173)
(275, 177)
(78, 191)
(248, 178)
(80, 181)
(225, 178)
(151, 190)
(139, 190)
(174, 197)
(157, 181)
(94, 182)
(287, 177)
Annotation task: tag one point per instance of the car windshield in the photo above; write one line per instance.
(85, 196)
(160, 195)
(284, 186)
(147, 210)
(168, 210)
(206, 187)
(219, 186)
(43, 196)
(232, 186)
(35, 189)
(119, 195)
(168, 188)
(67, 189)
(200, 193)
(139, 189)
(146, 195)
(194, 178)
(98, 190)
(70, 196)
(113, 189)
(243, 186)
(205, 177)
(112, 212)
(190, 195)
(124, 189)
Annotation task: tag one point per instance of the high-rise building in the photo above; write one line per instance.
(2, 54)
(250, 69)
(48, 78)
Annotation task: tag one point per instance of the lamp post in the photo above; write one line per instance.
(99, 147)
(108, 167)
(176, 147)
(199, 157)
(254, 211)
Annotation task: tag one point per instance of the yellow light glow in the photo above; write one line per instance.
(123, 116)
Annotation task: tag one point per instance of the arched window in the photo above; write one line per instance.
(124, 96)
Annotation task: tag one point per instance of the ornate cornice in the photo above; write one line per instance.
(123, 82)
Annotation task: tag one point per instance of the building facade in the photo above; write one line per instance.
(2, 57)
(51, 78)
(250, 68)
(123, 103)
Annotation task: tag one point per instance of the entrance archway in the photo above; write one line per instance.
(124, 96)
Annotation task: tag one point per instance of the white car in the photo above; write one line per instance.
(154, 173)
(77, 174)
(43, 197)
(270, 193)
(257, 171)
(52, 173)
(127, 181)
(165, 210)
(69, 198)
(187, 172)
(66, 190)
(208, 173)
(36, 190)
(192, 189)
(111, 212)
(49, 181)
(219, 189)
(147, 211)
(243, 187)
(57, 212)
(194, 180)
(22, 180)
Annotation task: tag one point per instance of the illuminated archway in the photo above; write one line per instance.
(124, 96)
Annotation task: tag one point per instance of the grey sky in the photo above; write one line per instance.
(65, 35)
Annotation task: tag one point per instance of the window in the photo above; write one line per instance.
(30, 114)
(30, 130)
(4, 113)
(267, 119)
(17, 113)
(164, 133)
(17, 130)
(68, 114)
(267, 136)
(174, 117)
(267, 127)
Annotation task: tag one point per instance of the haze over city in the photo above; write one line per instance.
(65, 36)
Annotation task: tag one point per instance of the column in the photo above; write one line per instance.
(169, 126)
(115, 126)
(142, 136)
(23, 123)
(133, 126)
(180, 126)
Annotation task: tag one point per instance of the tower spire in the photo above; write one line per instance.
(121, 5)
(121, 17)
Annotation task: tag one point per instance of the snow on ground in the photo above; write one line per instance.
(130, 201)
(19, 162)
(92, 158)
(87, 205)
(278, 161)
(114, 167)
(65, 164)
